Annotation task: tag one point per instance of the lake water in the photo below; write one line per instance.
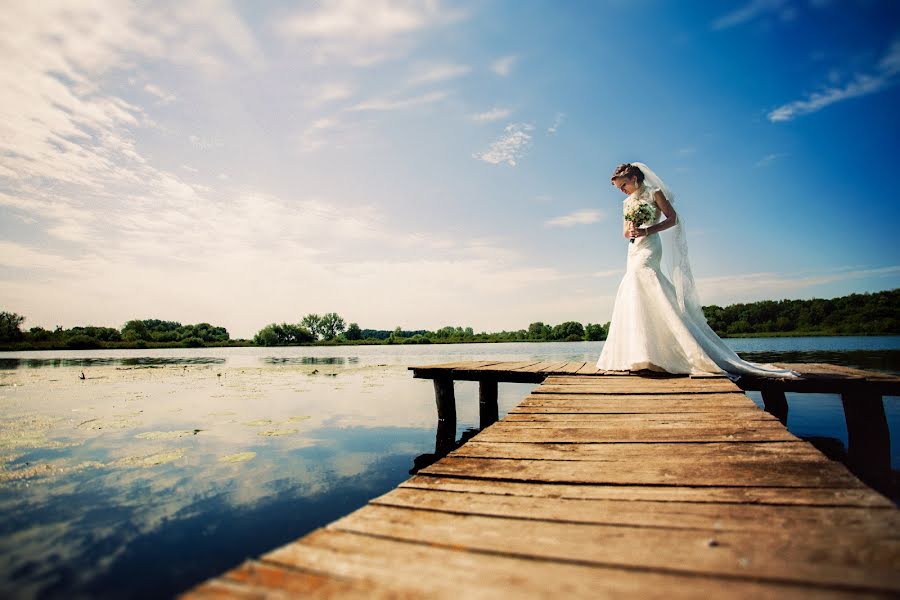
(162, 468)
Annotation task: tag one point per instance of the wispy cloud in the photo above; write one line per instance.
(363, 32)
(768, 159)
(511, 146)
(557, 122)
(861, 84)
(579, 217)
(607, 273)
(329, 92)
(315, 136)
(164, 97)
(495, 114)
(383, 104)
(503, 66)
(754, 10)
(437, 73)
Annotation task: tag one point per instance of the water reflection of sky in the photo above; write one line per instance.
(164, 467)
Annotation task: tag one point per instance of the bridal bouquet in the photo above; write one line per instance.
(638, 211)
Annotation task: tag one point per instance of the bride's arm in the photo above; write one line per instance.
(667, 209)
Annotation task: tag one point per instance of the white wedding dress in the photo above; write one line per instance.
(655, 327)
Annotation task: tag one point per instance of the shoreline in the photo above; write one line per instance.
(375, 342)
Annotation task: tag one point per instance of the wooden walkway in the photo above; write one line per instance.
(598, 486)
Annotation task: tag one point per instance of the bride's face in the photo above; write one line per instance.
(628, 185)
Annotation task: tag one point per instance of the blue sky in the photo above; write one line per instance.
(432, 163)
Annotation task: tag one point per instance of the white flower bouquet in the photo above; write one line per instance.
(638, 211)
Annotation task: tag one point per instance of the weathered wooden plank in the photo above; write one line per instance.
(616, 403)
(764, 453)
(445, 572)
(453, 365)
(622, 385)
(223, 589)
(554, 366)
(675, 515)
(589, 368)
(859, 496)
(650, 384)
(537, 367)
(503, 366)
(586, 396)
(270, 578)
(635, 464)
(837, 372)
(573, 418)
(812, 558)
(750, 431)
(648, 473)
(631, 419)
(571, 367)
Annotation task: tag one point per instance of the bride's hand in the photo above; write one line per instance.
(632, 231)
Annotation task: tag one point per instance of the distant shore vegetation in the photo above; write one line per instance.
(857, 314)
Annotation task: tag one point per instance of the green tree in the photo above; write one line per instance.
(330, 325)
(569, 329)
(538, 331)
(135, 330)
(285, 334)
(311, 322)
(594, 332)
(10, 323)
(353, 332)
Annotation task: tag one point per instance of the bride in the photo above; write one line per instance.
(657, 322)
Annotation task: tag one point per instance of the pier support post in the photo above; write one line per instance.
(488, 412)
(868, 438)
(444, 397)
(776, 404)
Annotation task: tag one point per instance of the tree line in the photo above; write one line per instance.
(137, 333)
(857, 314)
(332, 328)
(875, 313)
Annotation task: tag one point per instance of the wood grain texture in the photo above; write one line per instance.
(604, 486)
(444, 572)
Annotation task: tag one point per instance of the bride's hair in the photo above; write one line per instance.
(628, 170)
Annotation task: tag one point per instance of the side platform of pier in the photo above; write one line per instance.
(600, 485)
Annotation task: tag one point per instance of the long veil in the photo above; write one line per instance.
(675, 252)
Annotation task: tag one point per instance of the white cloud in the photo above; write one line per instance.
(753, 10)
(768, 159)
(495, 114)
(503, 66)
(164, 97)
(557, 122)
(860, 84)
(608, 273)
(329, 92)
(363, 32)
(438, 72)
(579, 217)
(383, 104)
(511, 146)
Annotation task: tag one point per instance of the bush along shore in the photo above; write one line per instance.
(857, 314)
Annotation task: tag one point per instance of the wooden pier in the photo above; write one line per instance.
(600, 485)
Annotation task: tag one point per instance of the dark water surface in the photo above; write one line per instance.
(164, 467)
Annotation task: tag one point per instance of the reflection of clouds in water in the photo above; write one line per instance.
(151, 482)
